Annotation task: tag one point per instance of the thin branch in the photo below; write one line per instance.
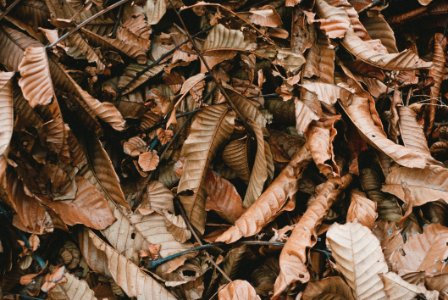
(86, 21)
(8, 9)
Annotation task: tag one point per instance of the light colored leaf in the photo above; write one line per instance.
(359, 258)
(73, 289)
(238, 289)
(154, 10)
(148, 160)
(397, 288)
(423, 252)
(223, 197)
(319, 140)
(265, 16)
(362, 210)
(222, 38)
(157, 198)
(210, 128)
(271, 202)
(304, 116)
(95, 258)
(320, 61)
(6, 110)
(325, 92)
(412, 132)
(330, 288)
(78, 48)
(293, 257)
(136, 31)
(361, 111)
(423, 186)
(134, 146)
(35, 80)
(133, 281)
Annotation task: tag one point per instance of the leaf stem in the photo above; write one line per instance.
(8, 9)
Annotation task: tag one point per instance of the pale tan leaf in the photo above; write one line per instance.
(95, 259)
(325, 92)
(133, 281)
(362, 210)
(35, 80)
(320, 61)
(222, 38)
(210, 128)
(304, 116)
(78, 48)
(330, 288)
(191, 82)
(156, 199)
(271, 202)
(265, 16)
(359, 258)
(293, 257)
(423, 252)
(235, 155)
(154, 10)
(223, 197)
(177, 227)
(319, 140)
(423, 186)
(135, 30)
(397, 288)
(6, 110)
(134, 146)
(361, 110)
(238, 289)
(88, 208)
(118, 45)
(73, 289)
(148, 160)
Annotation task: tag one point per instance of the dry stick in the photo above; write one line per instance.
(86, 21)
(196, 237)
(209, 70)
(8, 9)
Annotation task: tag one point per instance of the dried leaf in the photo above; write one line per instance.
(35, 80)
(396, 288)
(222, 197)
(359, 258)
(271, 202)
(6, 110)
(294, 254)
(235, 155)
(154, 10)
(265, 16)
(73, 289)
(411, 132)
(156, 199)
(148, 161)
(238, 289)
(211, 127)
(423, 252)
(328, 288)
(133, 281)
(362, 210)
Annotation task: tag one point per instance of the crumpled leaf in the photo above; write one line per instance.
(73, 289)
(265, 16)
(397, 288)
(359, 258)
(362, 210)
(238, 289)
(423, 252)
(294, 254)
(271, 202)
(211, 127)
(35, 80)
(133, 281)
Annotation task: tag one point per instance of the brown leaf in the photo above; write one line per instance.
(359, 258)
(134, 146)
(378, 28)
(211, 127)
(427, 185)
(238, 289)
(235, 155)
(319, 140)
(88, 208)
(423, 252)
(412, 132)
(294, 254)
(439, 283)
(222, 197)
(148, 161)
(362, 210)
(328, 288)
(156, 199)
(397, 288)
(35, 80)
(6, 110)
(271, 202)
(265, 16)
(133, 281)
(361, 110)
(73, 288)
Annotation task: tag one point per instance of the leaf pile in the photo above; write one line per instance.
(168, 149)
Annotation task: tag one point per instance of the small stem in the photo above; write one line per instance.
(8, 9)
(86, 21)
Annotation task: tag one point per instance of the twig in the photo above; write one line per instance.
(119, 15)
(86, 21)
(209, 70)
(8, 9)
(196, 237)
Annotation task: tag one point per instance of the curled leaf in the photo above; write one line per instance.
(238, 289)
(362, 210)
(397, 288)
